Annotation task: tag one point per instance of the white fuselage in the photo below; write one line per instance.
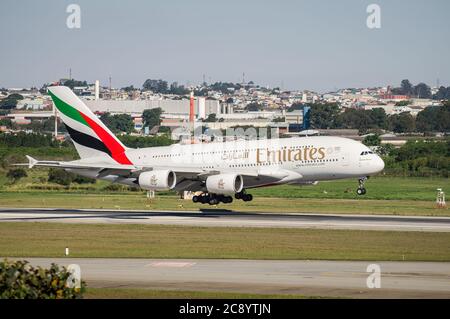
(302, 160)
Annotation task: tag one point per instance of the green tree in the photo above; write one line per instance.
(152, 117)
(323, 115)
(253, 107)
(20, 280)
(372, 140)
(16, 174)
(73, 83)
(406, 87)
(10, 102)
(434, 119)
(422, 91)
(118, 122)
(156, 86)
(378, 117)
(401, 123)
(60, 176)
(211, 118)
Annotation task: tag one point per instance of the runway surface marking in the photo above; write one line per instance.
(171, 264)
(225, 218)
(340, 278)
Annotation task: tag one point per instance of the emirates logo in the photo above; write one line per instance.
(153, 180)
(221, 184)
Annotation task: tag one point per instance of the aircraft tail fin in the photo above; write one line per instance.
(91, 137)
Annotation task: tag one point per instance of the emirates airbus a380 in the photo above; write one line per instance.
(217, 171)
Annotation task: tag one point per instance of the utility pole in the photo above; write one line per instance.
(110, 88)
(56, 121)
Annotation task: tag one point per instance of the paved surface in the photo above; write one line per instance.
(324, 278)
(229, 218)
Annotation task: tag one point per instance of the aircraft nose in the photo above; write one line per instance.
(378, 164)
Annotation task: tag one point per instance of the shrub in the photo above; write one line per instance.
(19, 280)
(16, 174)
(60, 176)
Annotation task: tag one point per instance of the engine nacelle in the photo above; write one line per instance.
(224, 184)
(157, 180)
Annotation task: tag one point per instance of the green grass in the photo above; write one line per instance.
(141, 293)
(260, 204)
(387, 188)
(157, 241)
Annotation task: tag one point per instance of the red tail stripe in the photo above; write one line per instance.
(117, 150)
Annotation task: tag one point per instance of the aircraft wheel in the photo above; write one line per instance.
(238, 195)
(227, 199)
(213, 201)
(247, 197)
(361, 191)
(195, 199)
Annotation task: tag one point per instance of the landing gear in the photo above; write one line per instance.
(361, 190)
(244, 196)
(212, 199)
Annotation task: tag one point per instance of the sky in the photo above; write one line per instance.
(313, 44)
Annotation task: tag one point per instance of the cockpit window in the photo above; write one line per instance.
(366, 153)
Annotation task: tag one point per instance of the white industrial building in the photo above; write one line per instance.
(169, 107)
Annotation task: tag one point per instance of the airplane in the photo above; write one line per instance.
(216, 171)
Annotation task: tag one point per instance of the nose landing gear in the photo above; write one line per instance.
(361, 189)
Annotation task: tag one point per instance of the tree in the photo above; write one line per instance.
(178, 89)
(442, 94)
(323, 115)
(434, 119)
(372, 140)
(422, 91)
(379, 117)
(296, 107)
(20, 280)
(211, 118)
(253, 107)
(157, 86)
(152, 117)
(401, 123)
(60, 176)
(10, 102)
(406, 87)
(16, 174)
(118, 122)
(73, 83)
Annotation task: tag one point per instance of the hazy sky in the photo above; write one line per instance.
(318, 45)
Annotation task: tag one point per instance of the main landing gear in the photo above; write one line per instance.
(244, 196)
(212, 199)
(361, 190)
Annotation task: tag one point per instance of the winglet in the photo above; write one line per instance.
(31, 161)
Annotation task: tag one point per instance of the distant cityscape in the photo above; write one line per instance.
(219, 105)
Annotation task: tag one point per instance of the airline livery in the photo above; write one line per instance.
(217, 172)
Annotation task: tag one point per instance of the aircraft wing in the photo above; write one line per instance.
(106, 169)
(188, 175)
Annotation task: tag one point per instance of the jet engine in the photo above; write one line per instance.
(224, 184)
(157, 180)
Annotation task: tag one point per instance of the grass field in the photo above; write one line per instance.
(121, 293)
(260, 204)
(380, 187)
(386, 195)
(157, 241)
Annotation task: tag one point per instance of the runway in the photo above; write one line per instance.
(224, 218)
(321, 278)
